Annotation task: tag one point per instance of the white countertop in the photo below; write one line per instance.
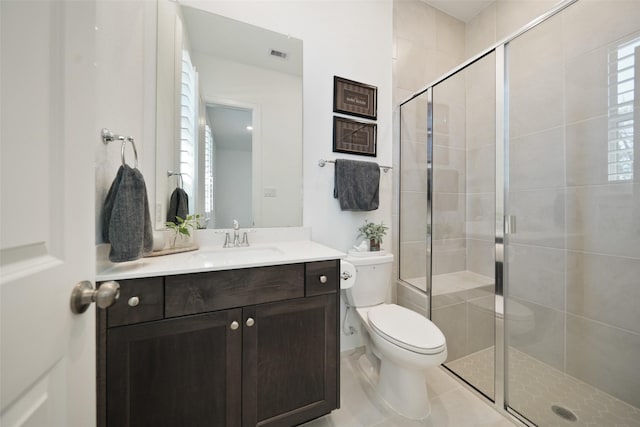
(214, 258)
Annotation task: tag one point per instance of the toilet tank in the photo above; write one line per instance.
(373, 278)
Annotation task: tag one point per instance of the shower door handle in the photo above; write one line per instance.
(510, 224)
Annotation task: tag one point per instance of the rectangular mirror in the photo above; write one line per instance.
(229, 120)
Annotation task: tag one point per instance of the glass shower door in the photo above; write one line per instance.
(572, 265)
(463, 246)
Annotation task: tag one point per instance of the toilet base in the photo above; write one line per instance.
(404, 390)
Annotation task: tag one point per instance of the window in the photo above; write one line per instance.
(188, 129)
(209, 180)
(622, 71)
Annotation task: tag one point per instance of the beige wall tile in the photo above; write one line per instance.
(604, 357)
(604, 288)
(416, 21)
(449, 256)
(449, 171)
(481, 169)
(481, 320)
(587, 85)
(511, 15)
(481, 257)
(604, 219)
(413, 225)
(545, 340)
(413, 259)
(537, 161)
(537, 274)
(451, 320)
(587, 152)
(592, 24)
(448, 216)
(450, 35)
(540, 217)
(481, 31)
(481, 216)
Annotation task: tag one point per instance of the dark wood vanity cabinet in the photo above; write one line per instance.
(247, 347)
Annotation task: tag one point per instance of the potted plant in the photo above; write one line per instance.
(182, 229)
(373, 233)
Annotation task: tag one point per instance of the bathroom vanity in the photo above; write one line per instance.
(248, 342)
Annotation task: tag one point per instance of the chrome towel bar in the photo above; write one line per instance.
(323, 162)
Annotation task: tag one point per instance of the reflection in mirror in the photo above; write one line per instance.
(229, 119)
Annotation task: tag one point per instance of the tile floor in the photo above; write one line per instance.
(535, 386)
(452, 404)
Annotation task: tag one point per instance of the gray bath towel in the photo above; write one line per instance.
(357, 185)
(178, 205)
(126, 221)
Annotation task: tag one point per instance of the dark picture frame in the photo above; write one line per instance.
(354, 137)
(354, 98)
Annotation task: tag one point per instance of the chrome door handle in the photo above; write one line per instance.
(234, 325)
(323, 279)
(83, 295)
(250, 322)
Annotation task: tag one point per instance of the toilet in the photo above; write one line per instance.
(404, 342)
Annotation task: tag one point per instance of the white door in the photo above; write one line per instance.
(48, 132)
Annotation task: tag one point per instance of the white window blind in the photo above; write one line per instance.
(622, 70)
(209, 179)
(188, 128)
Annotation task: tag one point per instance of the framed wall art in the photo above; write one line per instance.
(353, 137)
(353, 98)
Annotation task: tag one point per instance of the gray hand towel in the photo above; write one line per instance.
(178, 205)
(126, 221)
(357, 185)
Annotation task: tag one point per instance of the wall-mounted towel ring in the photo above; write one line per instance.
(108, 136)
(178, 174)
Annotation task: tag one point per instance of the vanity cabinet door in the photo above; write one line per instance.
(290, 361)
(176, 372)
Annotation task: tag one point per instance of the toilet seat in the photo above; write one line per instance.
(406, 329)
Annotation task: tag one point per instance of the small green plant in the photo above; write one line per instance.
(183, 227)
(374, 233)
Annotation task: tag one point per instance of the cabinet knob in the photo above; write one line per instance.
(323, 279)
(250, 322)
(234, 325)
(133, 301)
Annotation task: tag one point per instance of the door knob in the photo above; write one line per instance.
(83, 295)
(323, 279)
(250, 322)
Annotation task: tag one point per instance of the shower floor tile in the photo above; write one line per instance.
(535, 386)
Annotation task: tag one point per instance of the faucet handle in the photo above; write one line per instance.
(245, 239)
(236, 225)
(227, 241)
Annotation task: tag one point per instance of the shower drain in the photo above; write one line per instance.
(564, 413)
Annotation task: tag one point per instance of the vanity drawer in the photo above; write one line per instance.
(141, 300)
(218, 290)
(321, 277)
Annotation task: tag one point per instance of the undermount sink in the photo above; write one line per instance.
(240, 254)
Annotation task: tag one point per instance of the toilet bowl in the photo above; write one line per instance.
(405, 342)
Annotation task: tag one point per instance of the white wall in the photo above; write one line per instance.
(125, 62)
(233, 166)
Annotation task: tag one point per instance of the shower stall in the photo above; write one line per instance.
(520, 216)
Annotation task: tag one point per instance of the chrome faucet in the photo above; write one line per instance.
(236, 233)
(228, 243)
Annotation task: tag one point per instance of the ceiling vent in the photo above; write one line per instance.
(278, 54)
